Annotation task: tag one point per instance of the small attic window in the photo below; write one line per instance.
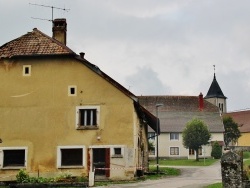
(72, 90)
(26, 70)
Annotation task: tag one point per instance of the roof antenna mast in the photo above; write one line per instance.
(52, 9)
(214, 71)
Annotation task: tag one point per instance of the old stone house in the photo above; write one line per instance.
(242, 118)
(59, 113)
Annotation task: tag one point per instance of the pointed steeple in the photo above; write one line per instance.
(216, 96)
(215, 90)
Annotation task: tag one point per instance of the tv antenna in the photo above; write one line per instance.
(52, 9)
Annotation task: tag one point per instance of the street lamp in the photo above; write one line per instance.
(157, 133)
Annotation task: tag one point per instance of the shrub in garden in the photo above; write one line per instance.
(22, 176)
(216, 151)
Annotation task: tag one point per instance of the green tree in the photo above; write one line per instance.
(151, 146)
(216, 151)
(195, 134)
(232, 132)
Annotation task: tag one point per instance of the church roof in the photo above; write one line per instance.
(215, 90)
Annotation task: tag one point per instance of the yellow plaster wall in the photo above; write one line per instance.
(244, 140)
(36, 111)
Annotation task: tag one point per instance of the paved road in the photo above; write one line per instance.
(192, 177)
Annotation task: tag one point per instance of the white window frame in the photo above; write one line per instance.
(69, 90)
(78, 108)
(174, 147)
(59, 156)
(13, 148)
(112, 150)
(24, 68)
(174, 139)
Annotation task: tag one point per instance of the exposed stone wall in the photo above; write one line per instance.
(231, 170)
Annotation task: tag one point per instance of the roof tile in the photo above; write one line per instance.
(178, 110)
(242, 118)
(33, 43)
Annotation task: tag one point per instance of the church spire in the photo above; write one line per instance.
(215, 90)
(216, 96)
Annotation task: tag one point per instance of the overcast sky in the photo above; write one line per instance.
(151, 47)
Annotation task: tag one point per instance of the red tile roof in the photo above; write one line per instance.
(178, 110)
(33, 43)
(242, 118)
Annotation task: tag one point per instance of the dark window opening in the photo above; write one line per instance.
(71, 157)
(13, 158)
(117, 151)
(88, 116)
(72, 91)
(26, 70)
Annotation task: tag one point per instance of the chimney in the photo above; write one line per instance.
(60, 30)
(82, 55)
(201, 102)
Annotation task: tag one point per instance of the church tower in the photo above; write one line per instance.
(216, 96)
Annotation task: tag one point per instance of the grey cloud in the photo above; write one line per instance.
(145, 81)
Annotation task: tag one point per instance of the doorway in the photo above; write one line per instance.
(101, 161)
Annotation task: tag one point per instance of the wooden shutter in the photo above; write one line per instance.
(88, 159)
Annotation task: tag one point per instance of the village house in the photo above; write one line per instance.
(242, 118)
(60, 113)
(175, 111)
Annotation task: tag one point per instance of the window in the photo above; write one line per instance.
(174, 136)
(70, 156)
(192, 152)
(174, 151)
(87, 116)
(117, 151)
(72, 90)
(26, 70)
(200, 151)
(13, 158)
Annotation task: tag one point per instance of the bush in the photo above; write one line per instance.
(216, 151)
(22, 176)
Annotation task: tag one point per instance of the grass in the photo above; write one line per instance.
(215, 185)
(185, 162)
(152, 175)
(246, 155)
(246, 163)
(163, 172)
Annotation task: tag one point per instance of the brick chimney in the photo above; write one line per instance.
(201, 102)
(60, 30)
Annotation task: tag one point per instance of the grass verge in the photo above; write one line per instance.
(152, 175)
(185, 162)
(215, 185)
